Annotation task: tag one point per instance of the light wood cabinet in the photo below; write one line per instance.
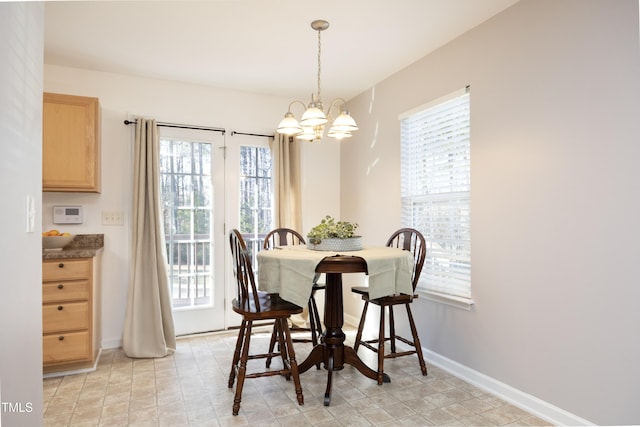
(70, 335)
(70, 143)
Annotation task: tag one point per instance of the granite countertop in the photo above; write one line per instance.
(82, 246)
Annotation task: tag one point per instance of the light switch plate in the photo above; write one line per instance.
(112, 218)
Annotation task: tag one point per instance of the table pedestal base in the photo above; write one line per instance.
(334, 360)
(331, 351)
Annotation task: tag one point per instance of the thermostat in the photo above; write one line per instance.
(67, 214)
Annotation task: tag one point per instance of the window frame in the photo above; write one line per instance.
(446, 188)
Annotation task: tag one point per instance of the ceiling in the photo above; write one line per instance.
(260, 46)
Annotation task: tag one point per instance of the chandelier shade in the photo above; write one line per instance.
(338, 134)
(344, 122)
(310, 133)
(313, 116)
(289, 125)
(312, 123)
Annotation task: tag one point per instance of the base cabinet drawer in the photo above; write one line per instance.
(66, 270)
(66, 347)
(65, 291)
(65, 316)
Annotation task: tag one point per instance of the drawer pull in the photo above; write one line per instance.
(61, 265)
(61, 338)
(60, 286)
(60, 308)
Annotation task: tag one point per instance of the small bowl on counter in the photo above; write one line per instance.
(56, 242)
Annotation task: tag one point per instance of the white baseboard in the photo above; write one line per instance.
(75, 371)
(522, 400)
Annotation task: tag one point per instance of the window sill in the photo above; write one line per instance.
(454, 301)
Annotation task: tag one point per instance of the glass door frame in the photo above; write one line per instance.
(208, 317)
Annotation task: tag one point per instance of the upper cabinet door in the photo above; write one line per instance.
(70, 143)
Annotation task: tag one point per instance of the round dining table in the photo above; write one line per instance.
(388, 264)
(331, 351)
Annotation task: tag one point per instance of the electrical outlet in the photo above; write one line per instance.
(112, 218)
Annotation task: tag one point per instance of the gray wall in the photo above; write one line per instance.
(555, 103)
(21, 44)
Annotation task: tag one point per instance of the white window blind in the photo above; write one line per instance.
(436, 190)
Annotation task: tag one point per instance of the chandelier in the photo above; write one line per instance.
(312, 123)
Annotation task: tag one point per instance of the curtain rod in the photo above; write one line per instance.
(251, 134)
(179, 126)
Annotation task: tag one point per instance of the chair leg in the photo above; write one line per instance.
(318, 320)
(280, 332)
(272, 345)
(314, 323)
(361, 326)
(293, 365)
(416, 341)
(381, 348)
(236, 354)
(392, 330)
(242, 370)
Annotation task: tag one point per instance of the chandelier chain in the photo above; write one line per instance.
(319, 52)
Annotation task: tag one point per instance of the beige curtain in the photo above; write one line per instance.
(148, 329)
(287, 186)
(287, 194)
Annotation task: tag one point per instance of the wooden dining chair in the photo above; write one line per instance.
(253, 305)
(285, 237)
(411, 240)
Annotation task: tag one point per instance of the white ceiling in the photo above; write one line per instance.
(261, 46)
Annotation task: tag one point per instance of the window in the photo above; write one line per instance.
(436, 191)
(187, 208)
(256, 207)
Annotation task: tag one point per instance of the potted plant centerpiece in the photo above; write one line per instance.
(332, 235)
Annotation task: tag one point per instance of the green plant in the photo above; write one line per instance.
(330, 228)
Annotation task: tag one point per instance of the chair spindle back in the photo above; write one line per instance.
(246, 290)
(282, 237)
(411, 240)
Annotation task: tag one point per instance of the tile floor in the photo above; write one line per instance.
(189, 388)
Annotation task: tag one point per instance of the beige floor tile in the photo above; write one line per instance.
(354, 420)
(318, 415)
(89, 416)
(533, 421)
(377, 416)
(116, 410)
(398, 410)
(118, 420)
(414, 420)
(190, 388)
(501, 415)
(56, 420)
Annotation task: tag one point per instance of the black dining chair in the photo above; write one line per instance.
(411, 240)
(253, 305)
(284, 237)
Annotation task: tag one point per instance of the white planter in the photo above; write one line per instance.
(337, 245)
